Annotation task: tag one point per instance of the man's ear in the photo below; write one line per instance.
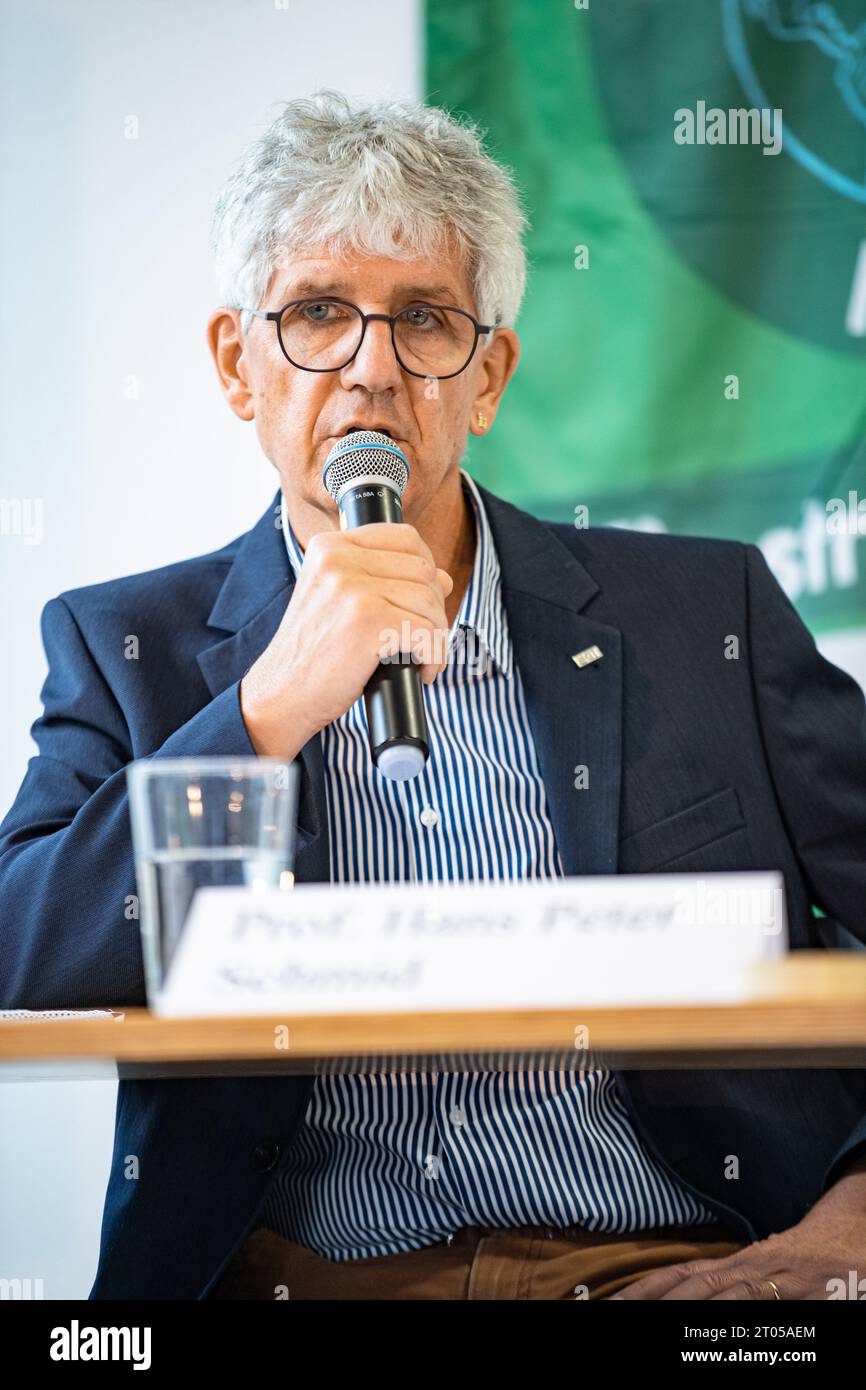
(226, 343)
(499, 365)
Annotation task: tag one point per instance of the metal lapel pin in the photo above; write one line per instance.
(587, 656)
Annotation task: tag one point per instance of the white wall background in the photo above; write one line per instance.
(106, 288)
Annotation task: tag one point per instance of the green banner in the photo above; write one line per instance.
(694, 328)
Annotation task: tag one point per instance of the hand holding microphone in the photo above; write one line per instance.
(355, 586)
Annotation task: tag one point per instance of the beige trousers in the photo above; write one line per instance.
(477, 1263)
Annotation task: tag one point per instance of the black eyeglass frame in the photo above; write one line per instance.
(275, 316)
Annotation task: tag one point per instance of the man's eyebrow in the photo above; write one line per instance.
(306, 289)
(431, 294)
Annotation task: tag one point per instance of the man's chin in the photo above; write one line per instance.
(310, 491)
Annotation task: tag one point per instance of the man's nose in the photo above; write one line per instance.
(375, 365)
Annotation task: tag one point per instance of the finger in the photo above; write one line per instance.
(716, 1283)
(415, 601)
(653, 1285)
(393, 564)
(389, 535)
(399, 561)
(432, 655)
(428, 672)
(657, 1284)
(425, 641)
(757, 1290)
(415, 569)
(430, 652)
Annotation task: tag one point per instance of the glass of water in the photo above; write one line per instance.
(205, 823)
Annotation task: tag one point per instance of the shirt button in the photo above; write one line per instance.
(457, 1117)
(265, 1156)
(429, 817)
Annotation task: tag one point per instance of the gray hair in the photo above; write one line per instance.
(389, 179)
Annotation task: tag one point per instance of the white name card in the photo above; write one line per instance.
(398, 948)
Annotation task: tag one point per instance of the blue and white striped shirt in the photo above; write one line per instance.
(396, 1161)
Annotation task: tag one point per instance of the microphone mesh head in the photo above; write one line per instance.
(362, 454)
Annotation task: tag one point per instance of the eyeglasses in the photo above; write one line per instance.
(325, 335)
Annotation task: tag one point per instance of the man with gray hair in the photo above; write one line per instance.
(371, 270)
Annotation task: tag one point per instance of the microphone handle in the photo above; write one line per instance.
(393, 696)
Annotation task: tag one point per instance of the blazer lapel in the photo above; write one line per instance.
(575, 713)
(249, 607)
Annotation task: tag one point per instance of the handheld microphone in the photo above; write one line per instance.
(366, 474)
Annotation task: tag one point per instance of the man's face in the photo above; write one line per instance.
(299, 415)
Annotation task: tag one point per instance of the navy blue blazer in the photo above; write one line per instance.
(696, 762)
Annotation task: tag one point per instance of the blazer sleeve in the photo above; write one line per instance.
(813, 724)
(69, 931)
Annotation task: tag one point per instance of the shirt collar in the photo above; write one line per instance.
(481, 608)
